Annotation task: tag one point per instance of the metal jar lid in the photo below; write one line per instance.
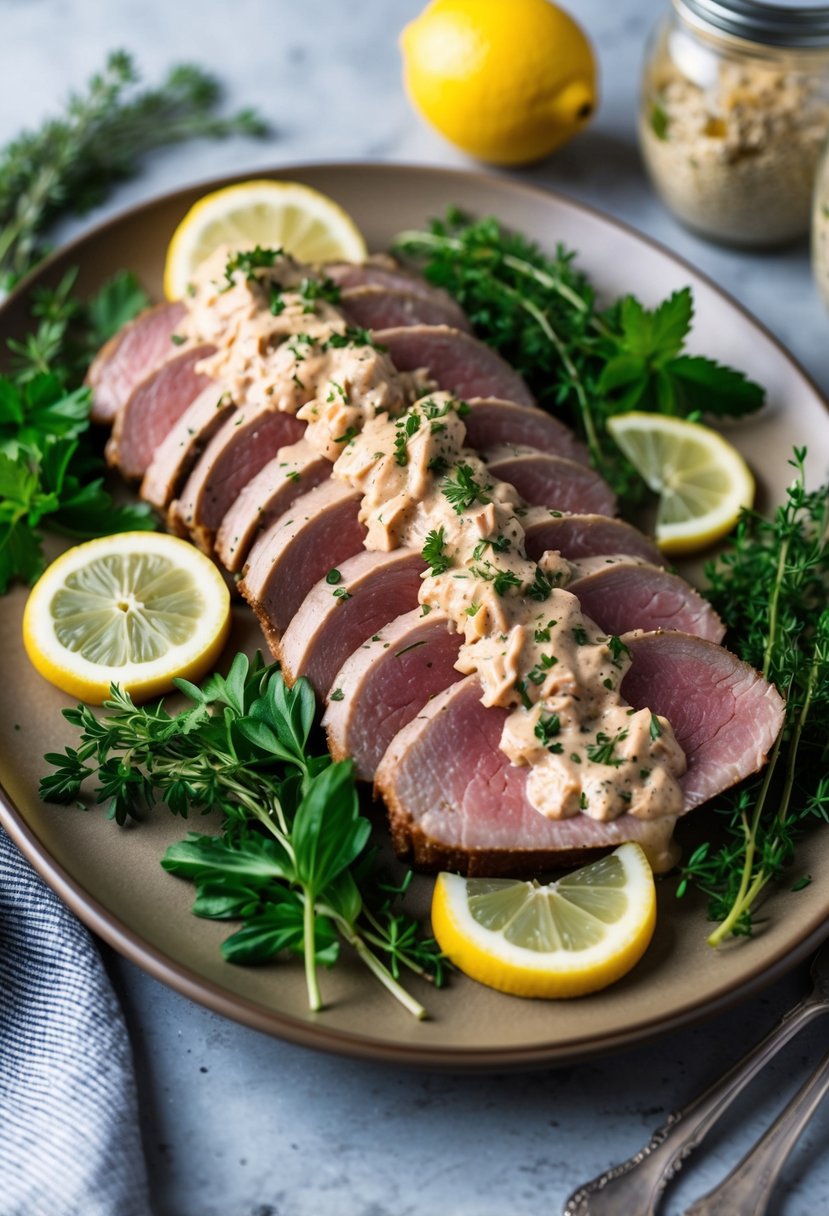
(795, 26)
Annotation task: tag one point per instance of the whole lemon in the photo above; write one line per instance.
(506, 80)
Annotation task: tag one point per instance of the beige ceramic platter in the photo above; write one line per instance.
(111, 877)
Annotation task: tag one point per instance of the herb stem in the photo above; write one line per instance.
(310, 953)
(377, 968)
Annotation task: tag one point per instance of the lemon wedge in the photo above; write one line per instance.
(565, 939)
(702, 481)
(285, 215)
(138, 609)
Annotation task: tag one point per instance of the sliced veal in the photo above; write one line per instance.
(319, 532)
(621, 594)
(386, 682)
(339, 613)
(153, 408)
(552, 481)
(585, 536)
(135, 351)
(382, 271)
(455, 801)
(232, 458)
(456, 361)
(293, 471)
(492, 423)
(175, 456)
(725, 715)
(375, 307)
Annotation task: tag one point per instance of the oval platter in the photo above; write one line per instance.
(111, 877)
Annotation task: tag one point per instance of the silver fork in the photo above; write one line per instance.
(637, 1184)
(747, 1189)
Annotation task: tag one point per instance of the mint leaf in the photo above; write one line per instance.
(702, 384)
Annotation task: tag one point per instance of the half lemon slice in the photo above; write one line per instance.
(284, 215)
(702, 481)
(137, 609)
(565, 939)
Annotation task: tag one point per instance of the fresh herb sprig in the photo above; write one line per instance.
(771, 587)
(587, 362)
(50, 475)
(68, 164)
(292, 860)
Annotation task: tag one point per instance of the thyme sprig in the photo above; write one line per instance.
(292, 859)
(580, 359)
(771, 587)
(69, 163)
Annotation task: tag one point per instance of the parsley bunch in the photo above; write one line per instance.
(292, 859)
(50, 475)
(771, 587)
(70, 162)
(587, 362)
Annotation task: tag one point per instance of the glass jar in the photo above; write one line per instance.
(820, 226)
(734, 114)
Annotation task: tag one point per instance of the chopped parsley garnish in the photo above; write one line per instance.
(541, 586)
(462, 490)
(602, 751)
(539, 673)
(248, 261)
(580, 635)
(655, 729)
(434, 553)
(546, 729)
(505, 579)
(404, 428)
(618, 650)
(333, 577)
(311, 290)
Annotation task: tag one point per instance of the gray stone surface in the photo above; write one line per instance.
(236, 1124)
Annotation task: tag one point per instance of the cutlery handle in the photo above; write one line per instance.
(636, 1184)
(747, 1189)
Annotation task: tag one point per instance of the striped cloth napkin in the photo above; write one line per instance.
(70, 1143)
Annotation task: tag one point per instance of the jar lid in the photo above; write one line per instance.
(804, 26)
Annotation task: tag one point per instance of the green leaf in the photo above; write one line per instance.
(657, 335)
(253, 858)
(119, 300)
(222, 899)
(328, 832)
(621, 372)
(277, 928)
(703, 384)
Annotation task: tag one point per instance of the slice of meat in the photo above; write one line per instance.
(455, 801)
(319, 532)
(376, 307)
(335, 618)
(578, 536)
(459, 363)
(385, 273)
(175, 456)
(552, 481)
(724, 714)
(492, 423)
(232, 458)
(153, 408)
(135, 351)
(386, 682)
(293, 471)
(623, 594)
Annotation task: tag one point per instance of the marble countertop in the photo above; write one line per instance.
(237, 1124)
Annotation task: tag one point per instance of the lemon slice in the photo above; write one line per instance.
(565, 939)
(287, 215)
(702, 480)
(137, 609)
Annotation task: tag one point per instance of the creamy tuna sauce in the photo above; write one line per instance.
(280, 339)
